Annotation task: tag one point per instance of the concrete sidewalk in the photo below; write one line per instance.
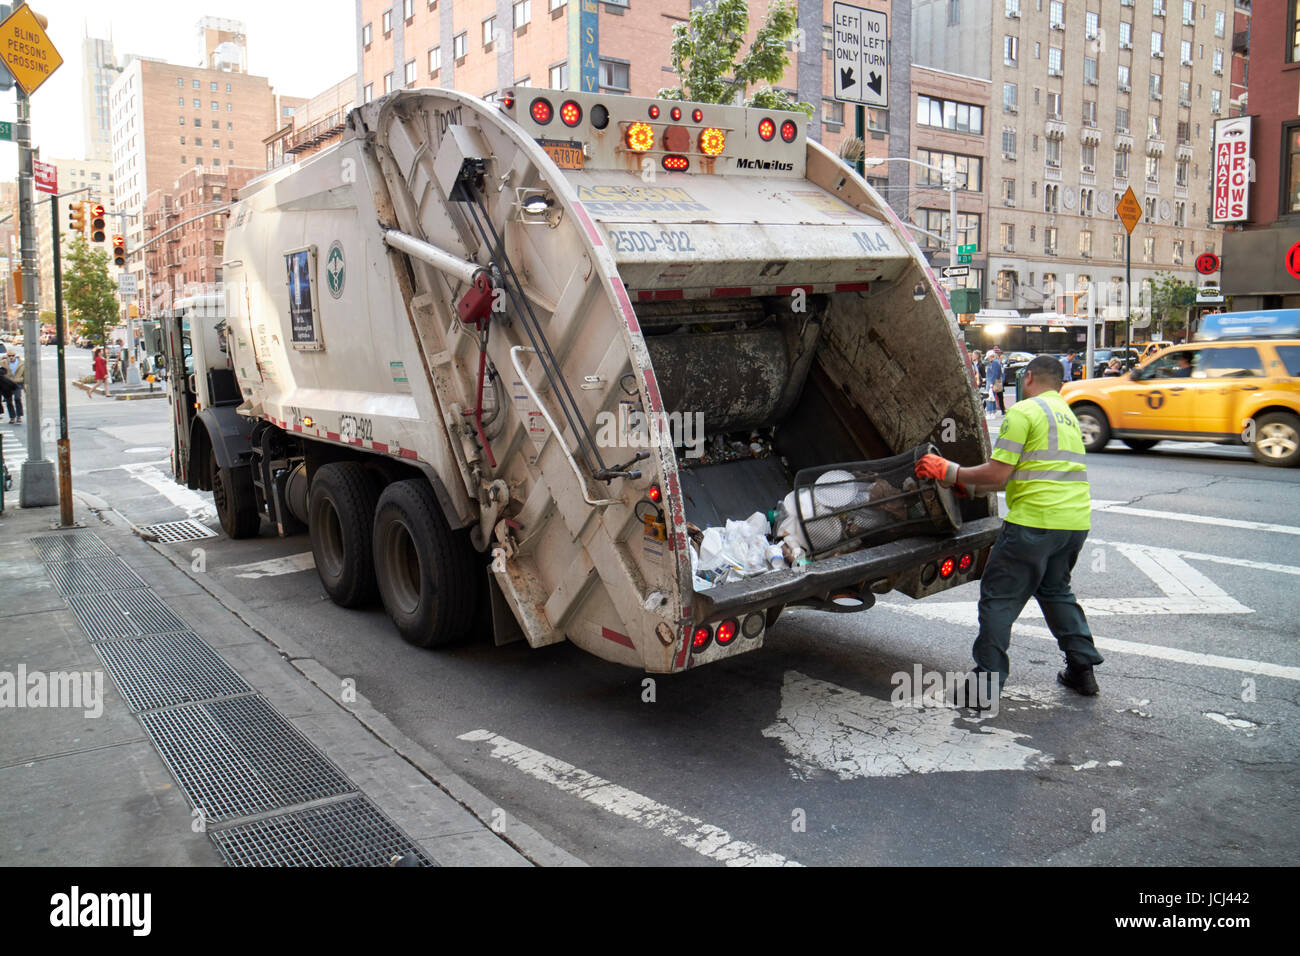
(287, 763)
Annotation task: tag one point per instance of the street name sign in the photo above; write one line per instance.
(964, 257)
(6, 131)
(26, 50)
(967, 249)
(1130, 210)
(861, 50)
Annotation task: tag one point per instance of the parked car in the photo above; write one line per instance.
(1128, 359)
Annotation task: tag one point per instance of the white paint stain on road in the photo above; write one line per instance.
(825, 727)
(692, 833)
(192, 503)
(274, 567)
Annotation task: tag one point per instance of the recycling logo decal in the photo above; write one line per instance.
(334, 269)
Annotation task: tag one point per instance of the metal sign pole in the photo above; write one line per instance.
(65, 447)
(1128, 291)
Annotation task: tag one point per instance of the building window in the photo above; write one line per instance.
(1153, 170)
(198, 122)
(1053, 153)
(1189, 13)
(215, 106)
(1088, 156)
(435, 59)
(367, 34)
(388, 82)
(954, 12)
(1180, 213)
(198, 104)
(877, 119)
(1216, 101)
(1010, 96)
(1053, 105)
(195, 84)
(1218, 62)
(1090, 70)
(1124, 79)
(1291, 170)
(1010, 50)
(1007, 236)
(1085, 243)
(386, 21)
(1006, 284)
(1049, 240)
(1013, 8)
(489, 31)
(1157, 8)
(1117, 244)
(559, 76)
(1149, 249)
(556, 4)
(1186, 57)
(1051, 197)
(1218, 23)
(410, 73)
(1125, 35)
(949, 114)
(968, 170)
(1056, 15)
(408, 10)
(368, 93)
(227, 87)
(833, 112)
(1121, 165)
(523, 13)
(212, 87)
(1089, 112)
(1180, 173)
(1156, 86)
(1091, 25)
(1054, 61)
(615, 75)
(460, 45)
(180, 81)
(1157, 43)
(1009, 143)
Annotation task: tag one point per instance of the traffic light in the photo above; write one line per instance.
(77, 217)
(97, 227)
(119, 251)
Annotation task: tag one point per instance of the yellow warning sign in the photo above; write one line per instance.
(27, 50)
(1130, 210)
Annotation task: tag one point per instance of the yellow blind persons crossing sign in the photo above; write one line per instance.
(27, 50)
(1130, 210)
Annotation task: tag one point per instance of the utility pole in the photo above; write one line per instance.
(950, 183)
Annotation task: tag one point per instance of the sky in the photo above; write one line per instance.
(303, 47)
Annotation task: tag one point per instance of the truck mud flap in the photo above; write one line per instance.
(824, 577)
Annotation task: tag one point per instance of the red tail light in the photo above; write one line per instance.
(654, 494)
(946, 567)
(727, 631)
(676, 113)
(700, 640)
(789, 131)
(766, 130)
(541, 111)
(570, 113)
(965, 563)
(698, 116)
(676, 164)
(653, 111)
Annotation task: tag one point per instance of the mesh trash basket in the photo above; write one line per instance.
(858, 504)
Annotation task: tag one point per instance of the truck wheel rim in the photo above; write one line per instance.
(331, 540)
(1277, 440)
(403, 562)
(1089, 428)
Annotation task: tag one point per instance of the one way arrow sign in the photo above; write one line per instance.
(861, 48)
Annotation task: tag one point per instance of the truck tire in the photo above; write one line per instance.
(236, 502)
(340, 521)
(425, 570)
(1093, 427)
(1277, 439)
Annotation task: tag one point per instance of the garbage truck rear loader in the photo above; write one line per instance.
(571, 343)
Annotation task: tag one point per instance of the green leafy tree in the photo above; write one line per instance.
(89, 294)
(706, 54)
(1172, 299)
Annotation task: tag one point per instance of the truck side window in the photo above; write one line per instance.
(1231, 362)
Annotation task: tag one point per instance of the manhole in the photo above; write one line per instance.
(238, 757)
(70, 546)
(172, 531)
(101, 617)
(115, 573)
(148, 613)
(348, 833)
(162, 669)
(74, 577)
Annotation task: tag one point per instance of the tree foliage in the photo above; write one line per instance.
(705, 55)
(89, 293)
(1173, 299)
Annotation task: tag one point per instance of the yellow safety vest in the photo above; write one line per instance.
(1049, 487)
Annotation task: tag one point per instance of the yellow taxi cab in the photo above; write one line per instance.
(1238, 383)
(1154, 348)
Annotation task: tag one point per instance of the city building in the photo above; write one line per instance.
(1240, 56)
(1089, 98)
(94, 176)
(167, 118)
(483, 47)
(98, 71)
(186, 245)
(9, 308)
(311, 127)
(1261, 253)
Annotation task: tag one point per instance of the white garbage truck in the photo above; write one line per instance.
(636, 374)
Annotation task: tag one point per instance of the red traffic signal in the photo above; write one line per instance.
(97, 226)
(119, 251)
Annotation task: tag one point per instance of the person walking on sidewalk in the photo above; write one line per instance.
(16, 370)
(995, 377)
(7, 388)
(1039, 458)
(101, 372)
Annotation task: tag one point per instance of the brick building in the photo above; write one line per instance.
(96, 176)
(315, 124)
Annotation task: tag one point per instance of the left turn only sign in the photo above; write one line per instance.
(27, 50)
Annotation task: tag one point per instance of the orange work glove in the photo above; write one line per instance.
(940, 469)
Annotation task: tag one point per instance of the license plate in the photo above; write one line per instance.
(566, 155)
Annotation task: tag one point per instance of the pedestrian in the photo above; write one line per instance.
(7, 388)
(995, 379)
(16, 370)
(1068, 366)
(1039, 458)
(101, 371)
(1113, 368)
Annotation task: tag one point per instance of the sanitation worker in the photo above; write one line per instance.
(1039, 458)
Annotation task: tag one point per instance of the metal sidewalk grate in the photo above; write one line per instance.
(170, 532)
(101, 617)
(74, 577)
(239, 757)
(70, 546)
(349, 833)
(158, 670)
(115, 573)
(148, 613)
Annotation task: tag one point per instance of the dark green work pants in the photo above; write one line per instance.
(1025, 563)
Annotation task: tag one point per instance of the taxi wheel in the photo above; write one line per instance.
(1277, 439)
(1141, 444)
(1093, 427)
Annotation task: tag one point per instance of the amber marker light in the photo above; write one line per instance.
(640, 137)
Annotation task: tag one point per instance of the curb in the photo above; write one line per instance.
(125, 396)
(528, 842)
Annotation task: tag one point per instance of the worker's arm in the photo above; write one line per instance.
(990, 476)
(994, 474)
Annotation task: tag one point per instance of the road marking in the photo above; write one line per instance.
(965, 613)
(1119, 508)
(690, 832)
(825, 727)
(1214, 558)
(274, 567)
(150, 450)
(192, 503)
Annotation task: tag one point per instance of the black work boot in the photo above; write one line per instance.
(1078, 677)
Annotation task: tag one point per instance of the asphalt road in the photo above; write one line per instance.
(1187, 757)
